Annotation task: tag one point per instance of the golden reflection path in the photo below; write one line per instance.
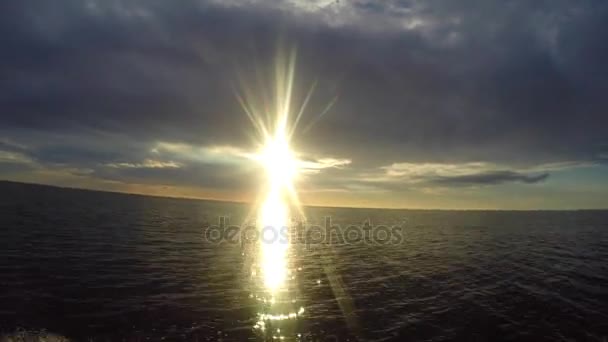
(273, 276)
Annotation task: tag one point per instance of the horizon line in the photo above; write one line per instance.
(306, 205)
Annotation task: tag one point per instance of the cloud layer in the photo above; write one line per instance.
(143, 92)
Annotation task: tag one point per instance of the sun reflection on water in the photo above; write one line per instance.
(279, 312)
(273, 249)
(279, 309)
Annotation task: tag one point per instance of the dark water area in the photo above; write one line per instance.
(96, 266)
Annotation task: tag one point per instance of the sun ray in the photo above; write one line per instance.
(302, 108)
(320, 116)
(279, 198)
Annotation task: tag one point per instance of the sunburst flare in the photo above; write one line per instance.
(279, 199)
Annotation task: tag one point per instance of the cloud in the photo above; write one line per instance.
(434, 177)
(202, 154)
(14, 157)
(465, 92)
(491, 178)
(471, 173)
(465, 83)
(316, 166)
(146, 164)
(413, 171)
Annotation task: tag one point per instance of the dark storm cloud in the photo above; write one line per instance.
(70, 67)
(511, 82)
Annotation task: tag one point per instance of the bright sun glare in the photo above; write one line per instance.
(281, 167)
(279, 161)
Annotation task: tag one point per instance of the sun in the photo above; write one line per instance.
(275, 126)
(279, 161)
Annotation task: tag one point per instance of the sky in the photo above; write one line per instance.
(415, 103)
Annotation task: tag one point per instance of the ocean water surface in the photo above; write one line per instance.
(96, 266)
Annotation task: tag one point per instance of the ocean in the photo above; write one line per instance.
(97, 266)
